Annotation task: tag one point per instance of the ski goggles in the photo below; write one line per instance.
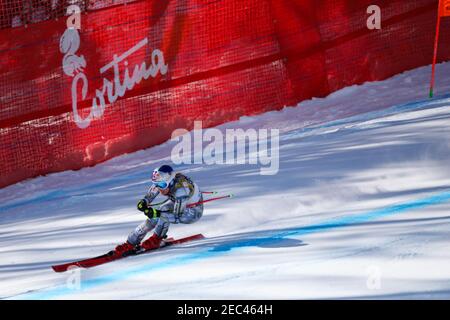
(161, 184)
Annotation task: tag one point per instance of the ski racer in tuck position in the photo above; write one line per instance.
(180, 191)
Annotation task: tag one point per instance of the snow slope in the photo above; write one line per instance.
(359, 209)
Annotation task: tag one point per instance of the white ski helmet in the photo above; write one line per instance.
(163, 176)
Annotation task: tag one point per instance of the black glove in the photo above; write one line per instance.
(142, 205)
(152, 213)
(147, 210)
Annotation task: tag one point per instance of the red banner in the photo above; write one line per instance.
(135, 71)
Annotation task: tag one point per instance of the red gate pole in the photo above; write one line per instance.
(436, 41)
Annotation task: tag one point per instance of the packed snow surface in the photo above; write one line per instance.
(360, 208)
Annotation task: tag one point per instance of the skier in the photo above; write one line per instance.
(180, 192)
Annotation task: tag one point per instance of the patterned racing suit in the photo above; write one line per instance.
(182, 191)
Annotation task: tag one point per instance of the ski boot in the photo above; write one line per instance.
(124, 249)
(154, 242)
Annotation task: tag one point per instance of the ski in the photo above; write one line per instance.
(109, 257)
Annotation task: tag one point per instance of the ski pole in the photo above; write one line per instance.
(204, 201)
(208, 200)
(201, 202)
